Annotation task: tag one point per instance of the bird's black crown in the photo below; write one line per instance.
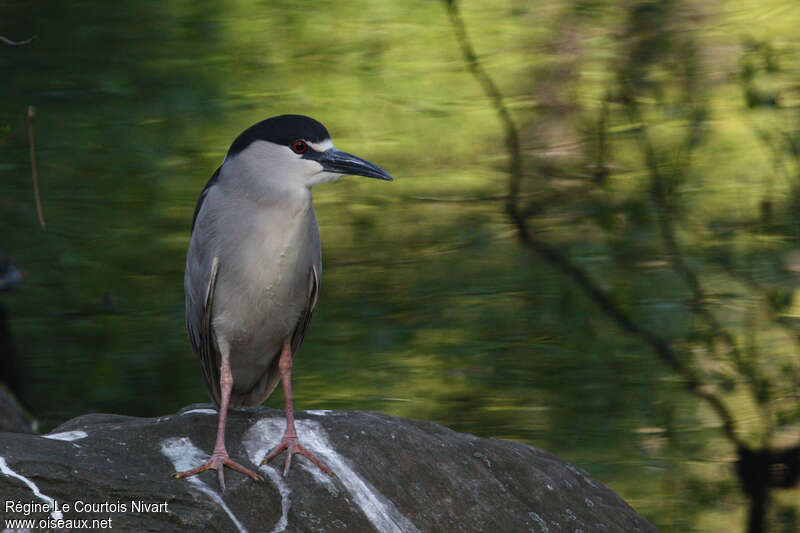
(283, 129)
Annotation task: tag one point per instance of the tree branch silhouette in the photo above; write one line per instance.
(759, 469)
(9, 42)
(34, 171)
(663, 207)
(659, 345)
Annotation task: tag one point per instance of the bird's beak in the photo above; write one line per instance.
(333, 160)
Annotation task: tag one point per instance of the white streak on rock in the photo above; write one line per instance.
(185, 456)
(540, 521)
(67, 436)
(5, 469)
(383, 515)
(583, 476)
(253, 442)
(285, 492)
(319, 412)
(203, 411)
(320, 477)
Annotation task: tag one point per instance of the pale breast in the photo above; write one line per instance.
(263, 282)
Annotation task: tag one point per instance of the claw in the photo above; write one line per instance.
(289, 441)
(292, 447)
(218, 461)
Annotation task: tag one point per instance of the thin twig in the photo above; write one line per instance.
(553, 255)
(659, 345)
(496, 97)
(34, 173)
(789, 330)
(9, 42)
(699, 297)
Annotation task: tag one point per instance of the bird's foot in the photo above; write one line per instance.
(292, 446)
(218, 461)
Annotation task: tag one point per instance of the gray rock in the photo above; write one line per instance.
(393, 475)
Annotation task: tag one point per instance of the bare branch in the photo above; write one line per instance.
(662, 348)
(34, 173)
(496, 97)
(9, 42)
(787, 327)
(699, 305)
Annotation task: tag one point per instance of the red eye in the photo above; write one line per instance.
(299, 147)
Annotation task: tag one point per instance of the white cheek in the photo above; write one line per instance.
(316, 174)
(322, 177)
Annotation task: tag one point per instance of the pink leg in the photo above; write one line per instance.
(219, 457)
(289, 442)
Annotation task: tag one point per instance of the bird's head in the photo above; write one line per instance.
(295, 150)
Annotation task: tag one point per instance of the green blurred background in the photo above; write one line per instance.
(431, 308)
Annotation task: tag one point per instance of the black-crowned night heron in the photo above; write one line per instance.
(254, 268)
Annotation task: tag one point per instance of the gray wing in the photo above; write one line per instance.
(314, 282)
(305, 318)
(204, 341)
(200, 304)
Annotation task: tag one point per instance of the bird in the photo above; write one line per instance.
(254, 268)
